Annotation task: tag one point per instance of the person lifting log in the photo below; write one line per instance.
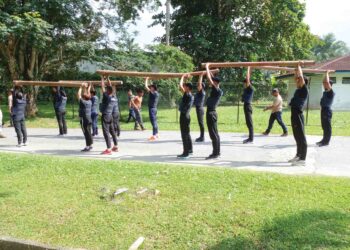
(152, 107)
(85, 105)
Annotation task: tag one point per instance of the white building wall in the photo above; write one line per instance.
(342, 91)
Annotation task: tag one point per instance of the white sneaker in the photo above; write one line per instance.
(19, 145)
(299, 163)
(24, 144)
(296, 158)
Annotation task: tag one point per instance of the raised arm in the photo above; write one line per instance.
(103, 86)
(182, 89)
(146, 84)
(247, 80)
(80, 91)
(326, 82)
(299, 78)
(209, 74)
(199, 84)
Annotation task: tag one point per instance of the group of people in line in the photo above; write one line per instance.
(90, 107)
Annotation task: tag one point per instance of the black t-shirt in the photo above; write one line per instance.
(248, 93)
(115, 102)
(214, 98)
(186, 103)
(327, 99)
(107, 104)
(85, 109)
(153, 99)
(95, 102)
(18, 109)
(60, 102)
(299, 98)
(199, 98)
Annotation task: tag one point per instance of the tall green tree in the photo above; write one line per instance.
(329, 47)
(221, 30)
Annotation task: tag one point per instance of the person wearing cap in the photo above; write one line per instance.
(152, 108)
(276, 113)
(326, 111)
(106, 109)
(297, 118)
(85, 106)
(59, 103)
(19, 104)
(185, 118)
(247, 99)
(199, 103)
(212, 116)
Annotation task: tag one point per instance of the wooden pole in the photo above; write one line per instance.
(320, 71)
(68, 84)
(151, 75)
(257, 64)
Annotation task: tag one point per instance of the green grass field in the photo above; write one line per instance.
(227, 120)
(57, 201)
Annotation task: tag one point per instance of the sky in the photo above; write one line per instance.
(323, 16)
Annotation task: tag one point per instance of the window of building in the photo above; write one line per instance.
(333, 79)
(346, 80)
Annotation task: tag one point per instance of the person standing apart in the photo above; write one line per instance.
(326, 111)
(131, 110)
(199, 103)
(247, 99)
(297, 118)
(137, 104)
(276, 113)
(153, 108)
(185, 118)
(1, 134)
(95, 102)
(18, 117)
(106, 109)
(212, 116)
(85, 106)
(60, 102)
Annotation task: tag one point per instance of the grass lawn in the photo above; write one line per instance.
(57, 201)
(227, 120)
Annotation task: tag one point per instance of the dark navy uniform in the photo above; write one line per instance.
(116, 116)
(326, 115)
(185, 121)
(212, 118)
(152, 108)
(18, 118)
(199, 103)
(94, 114)
(60, 102)
(85, 120)
(106, 109)
(247, 99)
(297, 104)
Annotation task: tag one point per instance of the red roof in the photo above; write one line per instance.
(338, 64)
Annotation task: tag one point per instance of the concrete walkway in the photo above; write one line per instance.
(266, 154)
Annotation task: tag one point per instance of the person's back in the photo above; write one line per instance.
(18, 109)
(18, 117)
(95, 103)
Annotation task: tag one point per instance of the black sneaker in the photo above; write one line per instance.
(323, 144)
(212, 156)
(183, 156)
(319, 143)
(284, 134)
(200, 139)
(247, 141)
(265, 133)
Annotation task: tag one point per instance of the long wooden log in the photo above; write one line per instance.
(257, 64)
(152, 75)
(67, 84)
(320, 71)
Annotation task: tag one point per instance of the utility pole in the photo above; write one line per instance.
(167, 26)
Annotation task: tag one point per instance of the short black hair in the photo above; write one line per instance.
(93, 91)
(19, 95)
(154, 86)
(216, 79)
(139, 91)
(306, 80)
(109, 89)
(189, 85)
